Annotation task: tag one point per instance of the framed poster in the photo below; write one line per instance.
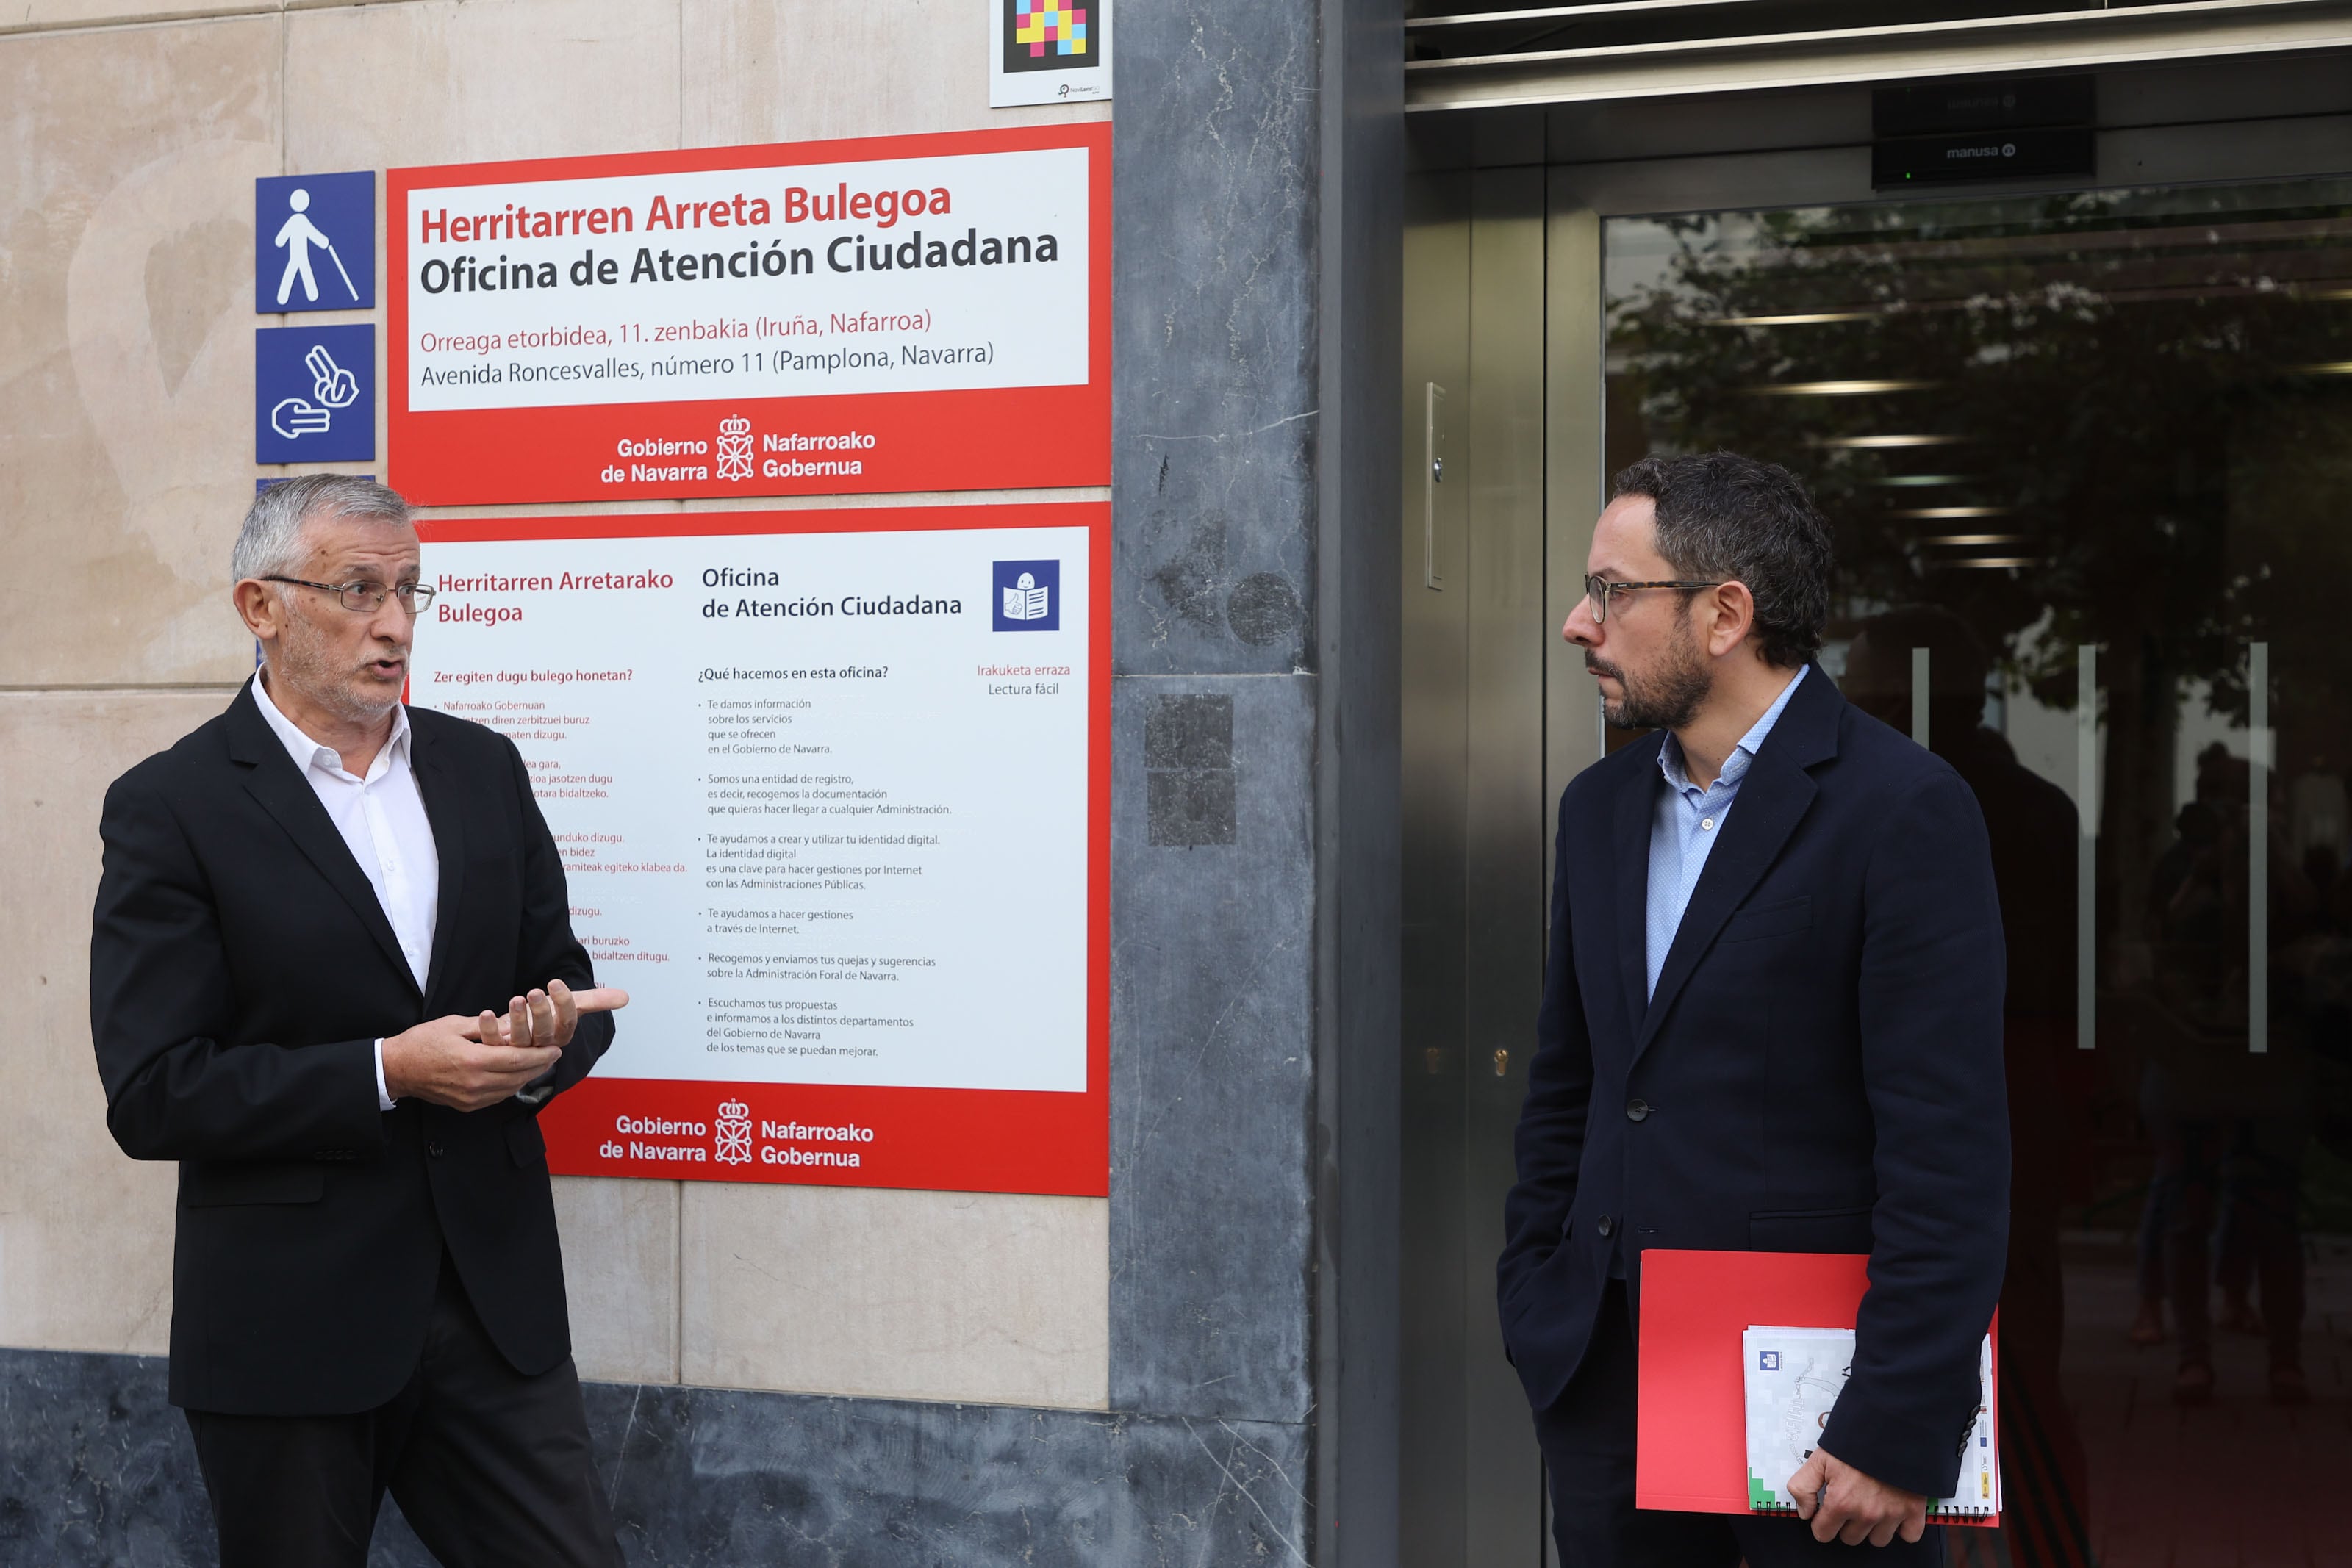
(895, 314)
(832, 792)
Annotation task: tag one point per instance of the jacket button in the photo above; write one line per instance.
(1607, 1225)
(433, 1149)
(1636, 1110)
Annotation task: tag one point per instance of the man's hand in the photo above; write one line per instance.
(1851, 1507)
(549, 1017)
(460, 1062)
(468, 1064)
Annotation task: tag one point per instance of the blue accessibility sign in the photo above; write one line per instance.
(314, 242)
(314, 394)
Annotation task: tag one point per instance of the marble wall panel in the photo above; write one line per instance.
(1213, 341)
(757, 71)
(126, 231)
(707, 1477)
(620, 1276)
(96, 1470)
(989, 1297)
(1215, 420)
(1211, 1054)
(85, 1232)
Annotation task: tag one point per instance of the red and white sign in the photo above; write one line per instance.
(831, 791)
(902, 313)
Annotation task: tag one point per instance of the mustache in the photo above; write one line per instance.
(1603, 667)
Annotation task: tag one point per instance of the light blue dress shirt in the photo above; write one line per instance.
(1687, 823)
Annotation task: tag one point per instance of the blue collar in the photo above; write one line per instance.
(1743, 755)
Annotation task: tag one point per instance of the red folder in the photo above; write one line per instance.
(1691, 1444)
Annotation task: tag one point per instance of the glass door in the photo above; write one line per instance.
(2088, 459)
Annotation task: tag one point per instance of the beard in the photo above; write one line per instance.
(1664, 698)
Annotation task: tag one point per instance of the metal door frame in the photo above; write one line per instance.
(1472, 789)
(2194, 122)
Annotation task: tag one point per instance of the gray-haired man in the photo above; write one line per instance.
(332, 974)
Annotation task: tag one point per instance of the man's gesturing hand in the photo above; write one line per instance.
(1855, 1507)
(467, 1063)
(549, 1017)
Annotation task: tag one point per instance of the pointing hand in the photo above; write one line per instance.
(332, 384)
(294, 417)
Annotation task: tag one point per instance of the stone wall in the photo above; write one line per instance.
(947, 1378)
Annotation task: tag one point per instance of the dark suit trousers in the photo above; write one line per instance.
(490, 1467)
(1587, 1436)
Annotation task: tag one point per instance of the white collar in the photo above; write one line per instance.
(308, 753)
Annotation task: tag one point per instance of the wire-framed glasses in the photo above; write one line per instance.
(366, 598)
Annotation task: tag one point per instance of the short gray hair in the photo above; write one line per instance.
(270, 542)
(1727, 518)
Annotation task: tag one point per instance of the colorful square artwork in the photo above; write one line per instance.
(1050, 35)
(1054, 25)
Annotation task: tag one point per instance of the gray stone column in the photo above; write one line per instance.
(1258, 181)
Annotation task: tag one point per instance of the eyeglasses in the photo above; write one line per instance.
(1598, 589)
(367, 598)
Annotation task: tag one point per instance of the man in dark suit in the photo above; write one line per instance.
(314, 912)
(1771, 1021)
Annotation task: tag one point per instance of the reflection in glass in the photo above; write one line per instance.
(2088, 458)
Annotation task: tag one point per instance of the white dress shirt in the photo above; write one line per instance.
(382, 818)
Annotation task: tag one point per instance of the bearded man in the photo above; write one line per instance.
(1771, 1021)
(333, 975)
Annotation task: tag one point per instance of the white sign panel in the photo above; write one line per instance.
(826, 795)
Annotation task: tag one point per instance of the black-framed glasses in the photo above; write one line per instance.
(367, 598)
(1599, 589)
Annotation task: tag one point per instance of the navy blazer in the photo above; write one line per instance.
(241, 969)
(1820, 1069)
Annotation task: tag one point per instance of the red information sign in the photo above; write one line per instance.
(893, 314)
(832, 790)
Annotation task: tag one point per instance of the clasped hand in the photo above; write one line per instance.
(1846, 1505)
(468, 1064)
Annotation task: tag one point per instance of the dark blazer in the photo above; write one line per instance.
(1820, 1069)
(241, 970)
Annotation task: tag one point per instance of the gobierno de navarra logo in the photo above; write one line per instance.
(735, 458)
(732, 1137)
(741, 455)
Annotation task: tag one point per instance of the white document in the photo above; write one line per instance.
(1794, 1377)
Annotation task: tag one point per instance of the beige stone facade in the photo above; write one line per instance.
(132, 137)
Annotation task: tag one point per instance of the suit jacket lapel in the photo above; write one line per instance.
(1636, 802)
(441, 790)
(1773, 798)
(287, 795)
